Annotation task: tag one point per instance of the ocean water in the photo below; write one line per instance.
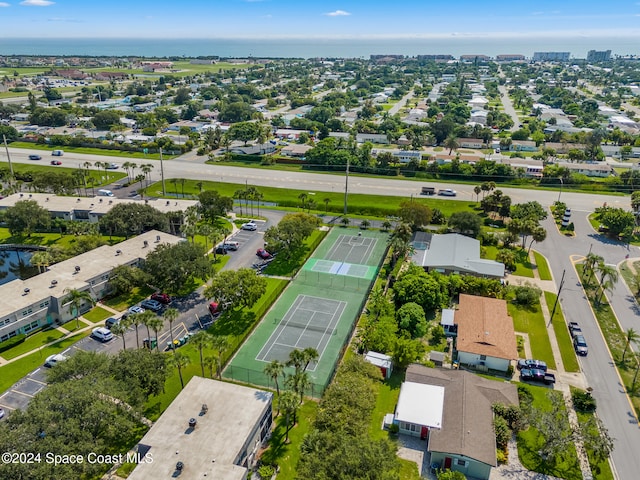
(312, 48)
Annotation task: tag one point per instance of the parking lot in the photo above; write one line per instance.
(248, 243)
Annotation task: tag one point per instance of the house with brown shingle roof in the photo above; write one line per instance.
(465, 440)
(486, 337)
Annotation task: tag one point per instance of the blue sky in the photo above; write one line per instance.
(327, 18)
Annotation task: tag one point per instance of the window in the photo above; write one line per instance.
(44, 304)
(483, 357)
(27, 312)
(31, 326)
(461, 463)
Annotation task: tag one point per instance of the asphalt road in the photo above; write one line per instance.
(613, 405)
(194, 168)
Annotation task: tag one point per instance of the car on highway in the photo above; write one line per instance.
(35, 157)
(101, 333)
(152, 305)
(55, 162)
(532, 363)
(262, 253)
(113, 166)
(161, 297)
(574, 329)
(250, 226)
(447, 192)
(53, 360)
(537, 375)
(136, 309)
(580, 345)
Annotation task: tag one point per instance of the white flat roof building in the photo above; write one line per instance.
(222, 444)
(420, 404)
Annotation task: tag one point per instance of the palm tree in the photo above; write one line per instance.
(178, 360)
(451, 142)
(386, 226)
(635, 375)
(288, 402)
(251, 195)
(273, 370)
(136, 321)
(170, 315)
(258, 197)
(310, 354)
(240, 194)
(119, 329)
(345, 222)
(127, 167)
(156, 323)
(76, 299)
(326, 201)
(364, 224)
(538, 235)
(220, 344)
(631, 337)
(146, 170)
(303, 200)
(477, 191)
(210, 362)
(201, 340)
(608, 278)
(296, 360)
(144, 318)
(299, 382)
(590, 263)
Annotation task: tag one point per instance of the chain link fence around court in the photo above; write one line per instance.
(332, 281)
(255, 377)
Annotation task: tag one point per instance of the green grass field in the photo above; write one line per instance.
(531, 321)
(32, 342)
(524, 268)
(565, 344)
(115, 175)
(543, 267)
(97, 314)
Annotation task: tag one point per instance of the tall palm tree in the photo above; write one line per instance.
(220, 344)
(309, 354)
(590, 263)
(120, 329)
(299, 382)
(155, 323)
(127, 167)
(240, 194)
(136, 320)
(631, 337)
(258, 197)
(477, 191)
(288, 403)
(146, 170)
(178, 360)
(201, 340)
(146, 317)
(170, 315)
(386, 226)
(210, 362)
(296, 360)
(608, 278)
(273, 370)
(76, 299)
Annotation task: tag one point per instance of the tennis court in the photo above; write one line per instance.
(309, 322)
(318, 309)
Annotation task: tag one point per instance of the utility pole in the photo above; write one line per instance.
(164, 191)
(553, 311)
(346, 187)
(4, 138)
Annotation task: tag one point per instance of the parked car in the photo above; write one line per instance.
(54, 359)
(537, 375)
(574, 329)
(221, 249)
(532, 363)
(101, 333)
(111, 321)
(136, 309)
(262, 253)
(251, 226)
(152, 305)
(56, 162)
(580, 345)
(161, 297)
(231, 245)
(35, 157)
(447, 192)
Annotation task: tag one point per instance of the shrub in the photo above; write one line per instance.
(266, 472)
(394, 428)
(488, 239)
(437, 217)
(502, 457)
(527, 295)
(583, 401)
(12, 342)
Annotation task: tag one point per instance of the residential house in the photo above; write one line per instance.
(296, 150)
(372, 137)
(598, 169)
(453, 253)
(263, 149)
(471, 143)
(212, 429)
(524, 146)
(455, 406)
(486, 338)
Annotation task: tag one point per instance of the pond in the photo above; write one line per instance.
(16, 264)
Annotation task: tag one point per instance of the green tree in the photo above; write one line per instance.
(236, 288)
(213, 205)
(25, 217)
(617, 220)
(75, 300)
(119, 330)
(406, 351)
(608, 278)
(156, 323)
(290, 234)
(288, 403)
(415, 214)
(173, 266)
(631, 336)
(220, 344)
(466, 223)
(201, 340)
(106, 119)
(171, 315)
(273, 370)
(178, 360)
(124, 278)
(412, 319)
(243, 131)
(131, 219)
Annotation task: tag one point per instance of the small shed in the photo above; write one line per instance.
(448, 322)
(382, 361)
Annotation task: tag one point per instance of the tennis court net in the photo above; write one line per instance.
(333, 281)
(309, 326)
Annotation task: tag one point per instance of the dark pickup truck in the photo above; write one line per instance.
(428, 191)
(537, 375)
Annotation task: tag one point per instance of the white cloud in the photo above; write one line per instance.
(4, 4)
(36, 3)
(338, 13)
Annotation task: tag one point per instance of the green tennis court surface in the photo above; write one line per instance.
(318, 309)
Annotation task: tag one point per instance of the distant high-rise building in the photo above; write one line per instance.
(599, 56)
(475, 58)
(509, 58)
(551, 56)
(438, 57)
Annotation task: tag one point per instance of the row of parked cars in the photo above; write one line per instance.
(579, 343)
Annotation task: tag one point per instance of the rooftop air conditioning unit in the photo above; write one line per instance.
(54, 283)
(168, 203)
(100, 200)
(118, 252)
(77, 268)
(77, 200)
(21, 195)
(192, 422)
(179, 466)
(26, 290)
(47, 199)
(157, 238)
(145, 243)
(110, 202)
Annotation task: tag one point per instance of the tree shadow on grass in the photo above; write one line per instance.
(287, 266)
(235, 322)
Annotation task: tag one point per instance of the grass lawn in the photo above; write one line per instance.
(563, 337)
(629, 278)
(97, 314)
(524, 268)
(47, 239)
(543, 267)
(613, 335)
(114, 175)
(287, 455)
(124, 301)
(97, 175)
(530, 441)
(32, 342)
(530, 320)
(358, 203)
(387, 395)
(283, 266)
(11, 373)
(409, 470)
(72, 326)
(601, 470)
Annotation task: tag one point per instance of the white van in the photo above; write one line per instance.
(101, 333)
(231, 245)
(105, 193)
(57, 153)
